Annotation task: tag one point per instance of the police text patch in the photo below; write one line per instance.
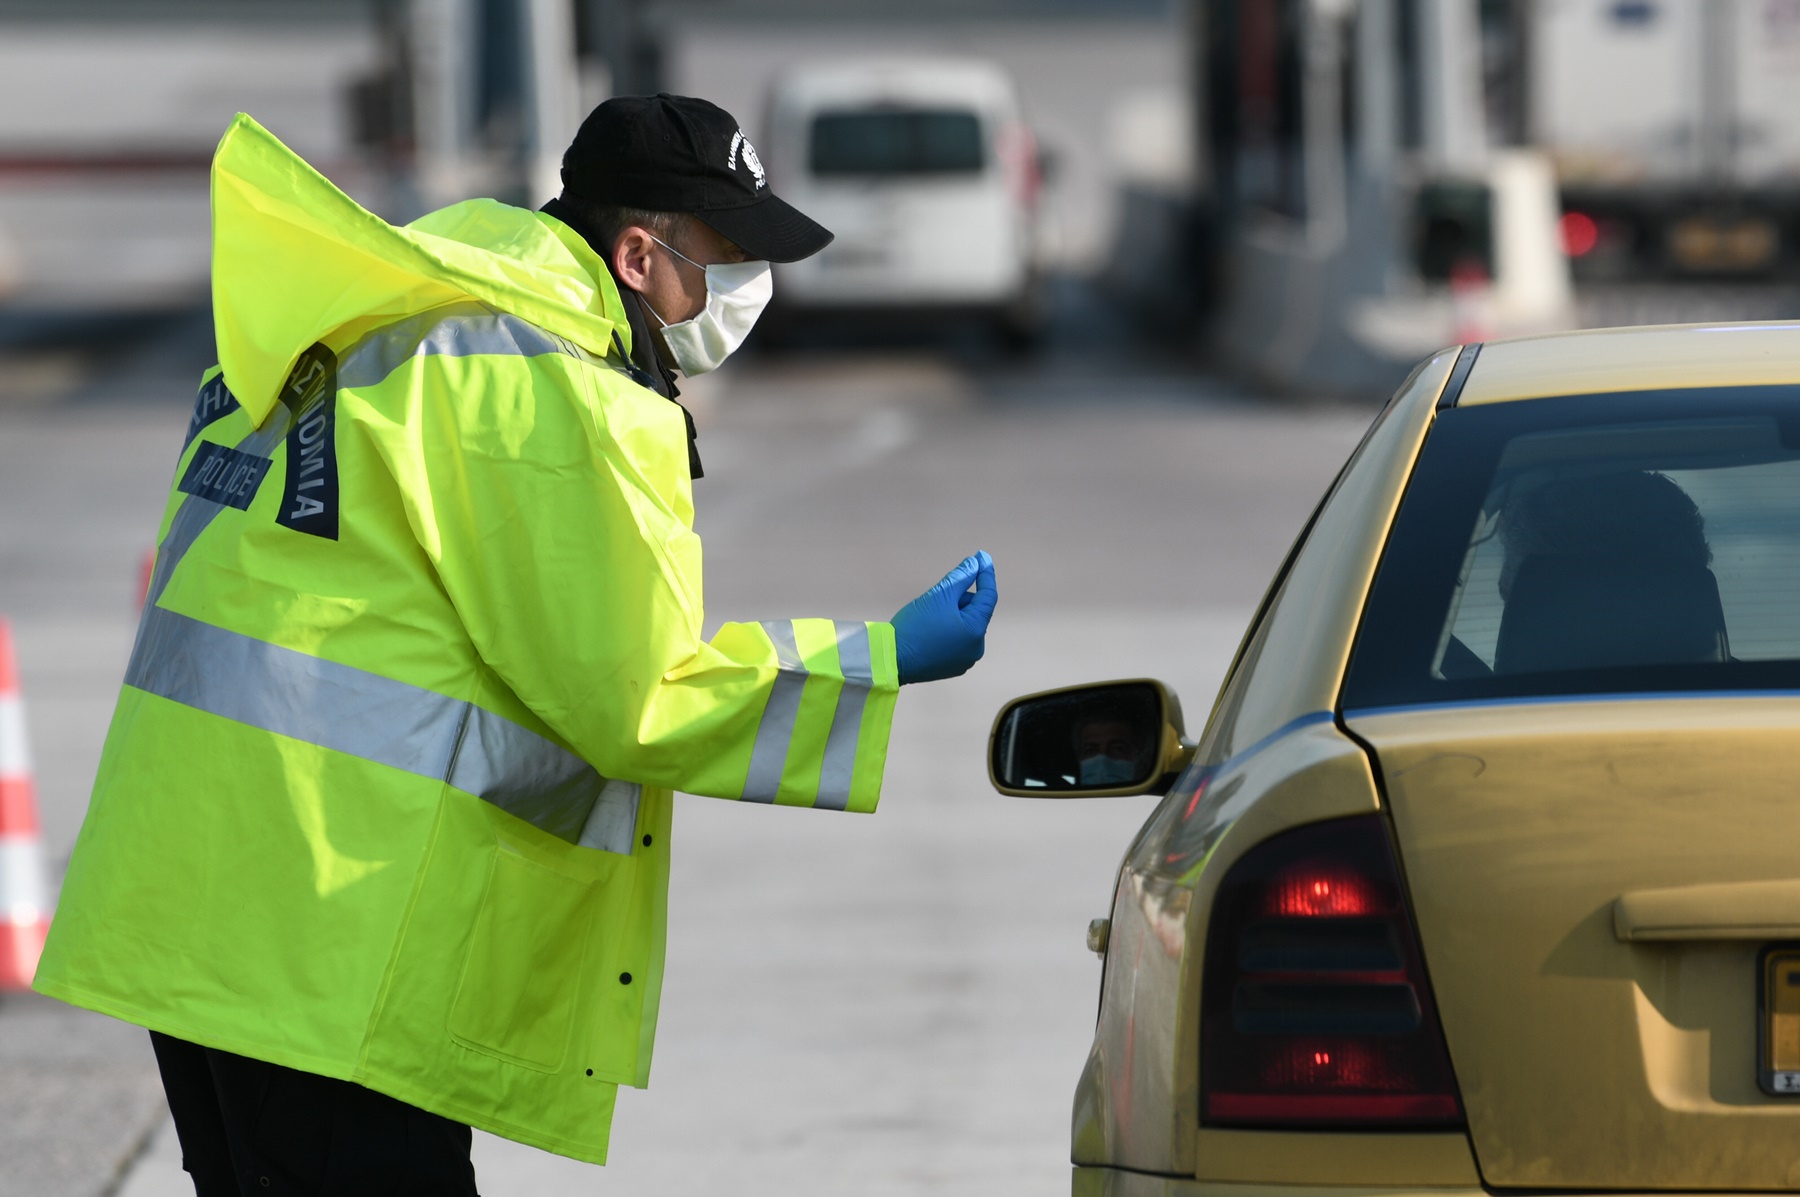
(224, 475)
(309, 502)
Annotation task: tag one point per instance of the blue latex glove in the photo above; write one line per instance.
(944, 631)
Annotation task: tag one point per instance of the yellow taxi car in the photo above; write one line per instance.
(1485, 872)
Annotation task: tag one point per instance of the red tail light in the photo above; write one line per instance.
(1580, 233)
(1315, 1010)
(1319, 890)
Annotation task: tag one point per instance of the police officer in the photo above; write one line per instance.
(378, 849)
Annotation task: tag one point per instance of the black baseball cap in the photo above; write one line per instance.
(670, 153)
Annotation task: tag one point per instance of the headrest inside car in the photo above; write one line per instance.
(1595, 613)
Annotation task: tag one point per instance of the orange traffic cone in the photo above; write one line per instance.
(23, 917)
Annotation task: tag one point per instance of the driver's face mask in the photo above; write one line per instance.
(736, 294)
(1107, 771)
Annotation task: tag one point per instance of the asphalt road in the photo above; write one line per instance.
(878, 1005)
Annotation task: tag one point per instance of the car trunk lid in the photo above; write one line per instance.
(1595, 883)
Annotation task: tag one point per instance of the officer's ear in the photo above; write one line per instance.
(631, 257)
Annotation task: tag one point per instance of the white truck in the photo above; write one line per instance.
(1674, 126)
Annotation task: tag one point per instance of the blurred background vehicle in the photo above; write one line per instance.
(928, 174)
(1672, 128)
(1380, 177)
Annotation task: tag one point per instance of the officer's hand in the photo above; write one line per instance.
(944, 631)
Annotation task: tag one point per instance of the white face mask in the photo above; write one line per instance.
(1107, 771)
(736, 294)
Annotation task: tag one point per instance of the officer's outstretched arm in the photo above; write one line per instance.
(561, 532)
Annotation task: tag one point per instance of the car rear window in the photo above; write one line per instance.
(896, 141)
(1630, 543)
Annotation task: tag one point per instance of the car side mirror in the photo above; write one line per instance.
(1100, 740)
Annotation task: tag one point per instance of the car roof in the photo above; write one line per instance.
(1664, 357)
(970, 81)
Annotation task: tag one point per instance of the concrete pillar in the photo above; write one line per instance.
(1532, 290)
(553, 91)
(1453, 122)
(1377, 90)
(444, 84)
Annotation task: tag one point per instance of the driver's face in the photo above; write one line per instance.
(1107, 737)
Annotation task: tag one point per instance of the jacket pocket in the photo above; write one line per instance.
(521, 980)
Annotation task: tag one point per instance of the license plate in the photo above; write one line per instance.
(1726, 244)
(1778, 1008)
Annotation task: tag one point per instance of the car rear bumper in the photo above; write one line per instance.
(1118, 1182)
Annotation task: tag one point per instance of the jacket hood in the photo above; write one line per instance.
(295, 258)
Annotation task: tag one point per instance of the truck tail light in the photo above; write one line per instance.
(1580, 233)
(1315, 1010)
(1018, 154)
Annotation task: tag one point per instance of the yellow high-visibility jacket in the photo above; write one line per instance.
(386, 796)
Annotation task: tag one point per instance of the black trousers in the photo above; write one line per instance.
(252, 1128)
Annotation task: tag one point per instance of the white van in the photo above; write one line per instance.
(929, 176)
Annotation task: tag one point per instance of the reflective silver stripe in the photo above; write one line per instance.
(374, 718)
(525, 775)
(455, 330)
(613, 821)
(775, 735)
(846, 722)
(295, 695)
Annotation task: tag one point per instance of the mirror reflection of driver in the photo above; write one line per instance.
(1109, 751)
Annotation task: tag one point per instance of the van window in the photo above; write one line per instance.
(896, 141)
(1605, 544)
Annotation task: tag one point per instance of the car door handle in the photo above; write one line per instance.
(1728, 910)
